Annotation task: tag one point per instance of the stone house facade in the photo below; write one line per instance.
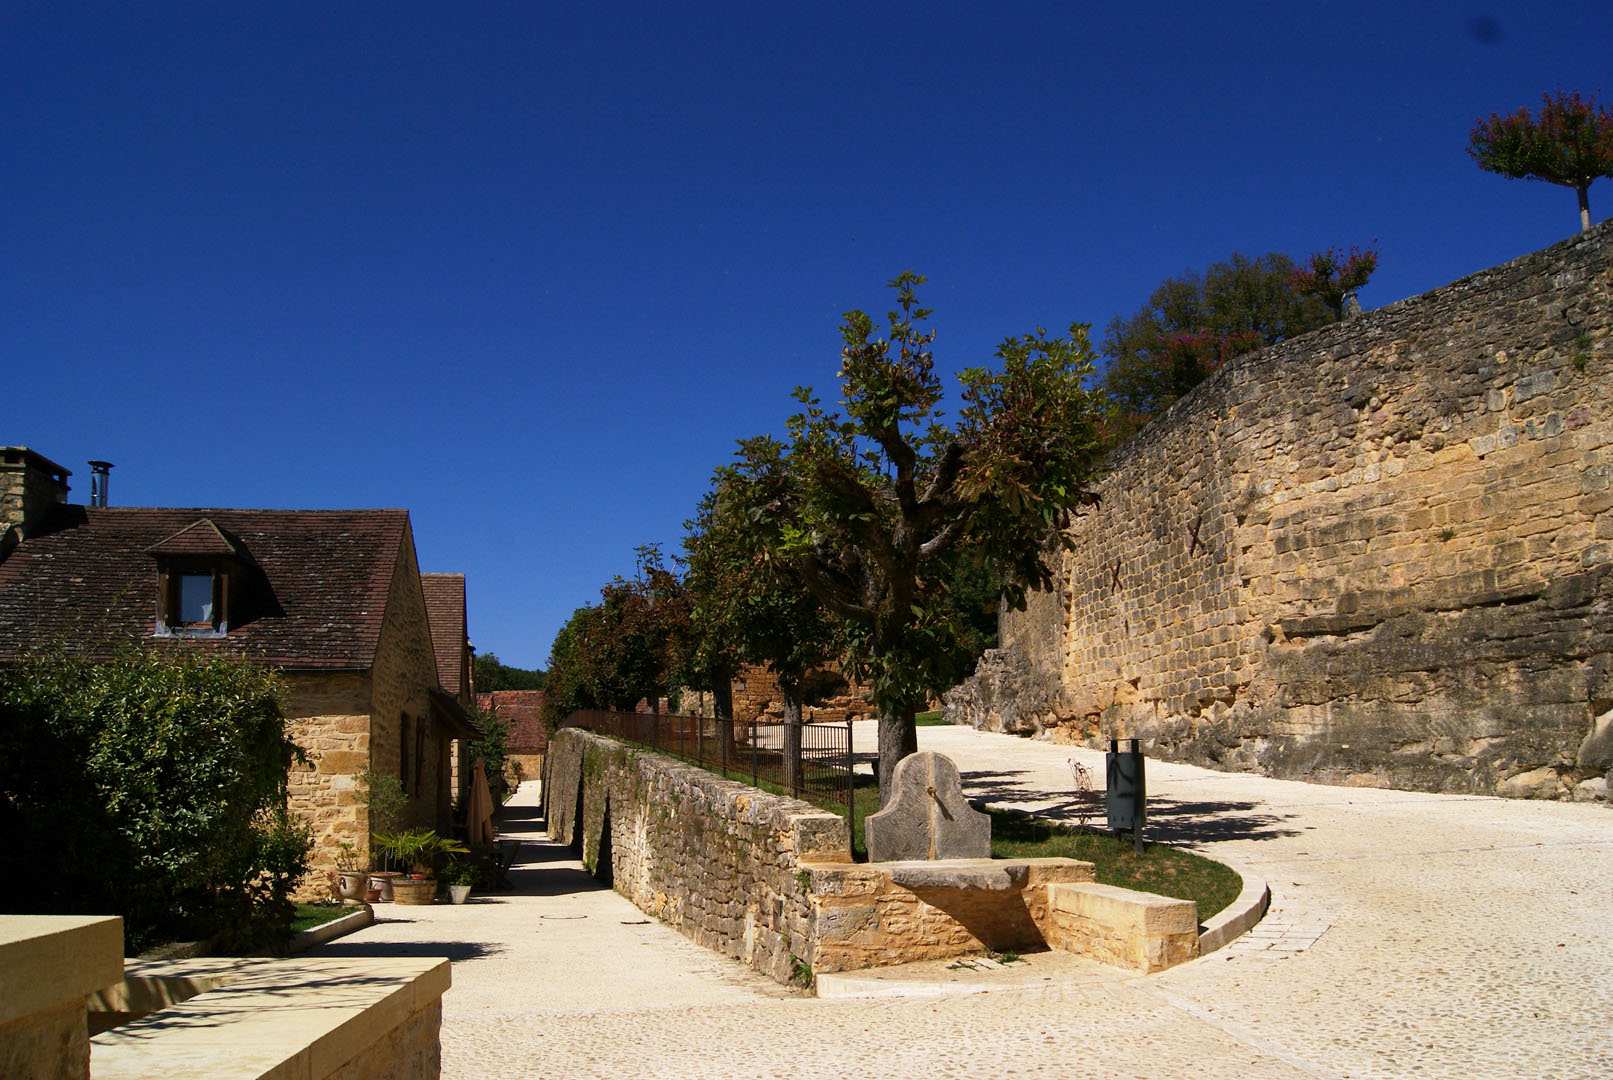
(521, 711)
(333, 599)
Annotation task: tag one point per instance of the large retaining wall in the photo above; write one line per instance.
(1378, 554)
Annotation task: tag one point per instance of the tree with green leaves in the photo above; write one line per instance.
(871, 508)
(1193, 324)
(611, 654)
(1569, 142)
(489, 673)
(748, 607)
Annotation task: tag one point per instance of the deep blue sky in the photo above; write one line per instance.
(529, 270)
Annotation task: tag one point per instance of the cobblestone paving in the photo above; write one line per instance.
(1409, 935)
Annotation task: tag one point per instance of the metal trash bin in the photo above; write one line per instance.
(1126, 792)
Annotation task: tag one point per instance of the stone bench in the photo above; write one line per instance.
(1137, 930)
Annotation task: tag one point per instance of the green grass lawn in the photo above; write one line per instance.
(931, 719)
(311, 915)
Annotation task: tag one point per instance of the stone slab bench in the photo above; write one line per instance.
(1137, 930)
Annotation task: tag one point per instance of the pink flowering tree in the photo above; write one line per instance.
(1568, 142)
(1334, 275)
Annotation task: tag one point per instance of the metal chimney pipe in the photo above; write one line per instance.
(98, 481)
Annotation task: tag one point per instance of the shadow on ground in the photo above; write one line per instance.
(453, 950)
(1170, 821)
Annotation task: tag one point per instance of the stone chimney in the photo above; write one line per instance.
(30, 484)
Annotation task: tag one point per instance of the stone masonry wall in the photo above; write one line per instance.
(1377, 554)
(715, 859)
(328, 716)
(405, 671)
(768, 879)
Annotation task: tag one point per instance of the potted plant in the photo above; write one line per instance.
(352, 870)
(382, 797)
(419, 849)
(460, 875)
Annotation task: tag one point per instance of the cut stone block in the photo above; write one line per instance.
(927, 816)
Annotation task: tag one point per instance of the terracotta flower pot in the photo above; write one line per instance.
(383, 879)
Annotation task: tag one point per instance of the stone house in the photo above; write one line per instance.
(333, 599)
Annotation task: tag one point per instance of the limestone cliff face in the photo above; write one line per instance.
(1378, 554)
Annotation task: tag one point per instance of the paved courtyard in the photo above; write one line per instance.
(1409, 935)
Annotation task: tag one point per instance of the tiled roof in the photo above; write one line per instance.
(445, 612)
(201, 537)
(89, 579)
(519, 710)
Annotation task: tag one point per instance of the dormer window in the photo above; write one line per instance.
(198, 570)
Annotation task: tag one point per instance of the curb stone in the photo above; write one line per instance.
(357, 919)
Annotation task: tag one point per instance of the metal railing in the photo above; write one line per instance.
(740, 748)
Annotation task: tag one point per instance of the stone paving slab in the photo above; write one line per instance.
(1409, 935)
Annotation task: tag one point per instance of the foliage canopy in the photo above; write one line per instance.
(152, 786)
(1568, 142)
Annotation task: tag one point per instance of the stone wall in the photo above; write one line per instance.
(768, 879)
(1377, 554)
(402, 678)
(328, 716)
(715, 859)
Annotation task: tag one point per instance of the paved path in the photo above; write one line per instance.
(1410, 935)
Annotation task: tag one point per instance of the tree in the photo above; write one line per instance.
(491, 674)
(1190, 326)
(871, 509)
(1569, 142)
(609, 655)
(1333, 276)
(748, 607)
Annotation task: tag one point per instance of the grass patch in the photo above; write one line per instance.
(311, 915)
(933, 718)
(1159, 869)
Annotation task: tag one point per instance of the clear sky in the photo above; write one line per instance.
(530, 269)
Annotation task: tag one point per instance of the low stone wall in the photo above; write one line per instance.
(48, 963)
(338, 1018)
(1135, 930)
(769, 880)
(716, 859)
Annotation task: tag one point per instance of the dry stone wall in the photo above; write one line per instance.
(1378, 554)
(716, 859)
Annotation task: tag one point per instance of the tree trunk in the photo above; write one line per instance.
(789, 688)
(898, 737)
(1584, 191)
(722, 707)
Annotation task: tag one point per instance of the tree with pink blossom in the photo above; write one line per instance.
(1334, 275)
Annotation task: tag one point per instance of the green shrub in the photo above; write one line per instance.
(494, 749)
(151, 786)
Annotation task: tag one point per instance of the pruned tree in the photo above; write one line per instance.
(1335, 275)
(872, 509)
(1568, 142)
(748, 607)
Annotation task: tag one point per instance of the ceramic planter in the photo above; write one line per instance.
(353, 883)
(458, 893)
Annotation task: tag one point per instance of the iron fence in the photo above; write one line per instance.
(740, 748)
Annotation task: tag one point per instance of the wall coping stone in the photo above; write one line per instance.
(46, 960)
(266, 1018)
